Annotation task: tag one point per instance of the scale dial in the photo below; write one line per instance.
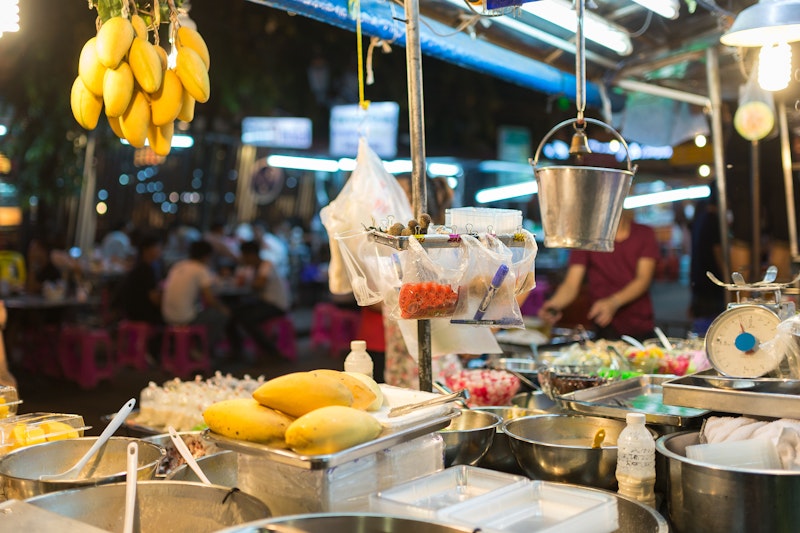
(733, 339)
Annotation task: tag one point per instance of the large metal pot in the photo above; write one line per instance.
(499, 456)
(704, 498)
(361, 522)
(221, 468)
(162, 506)
(20, 469)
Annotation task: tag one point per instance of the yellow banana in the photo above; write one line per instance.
(90, 69)
(117, 89)
(363, 396)
(331, 429)
(166, 102)
(136, 119)
(146, 65)
(139, 26)
(115, 127)
(193, 74)
(246, 419)
(85, 105)
(160, 138)
(113, 41)
(301, 392)
(186, 113)
(191, 38)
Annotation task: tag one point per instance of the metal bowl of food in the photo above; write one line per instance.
(469, 436)
(221, 468)
(566, 448)
(161, 506)
(361, 522)
(173, 459)
(20, 470)
(499, 456)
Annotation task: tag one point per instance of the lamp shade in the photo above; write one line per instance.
(765, 23)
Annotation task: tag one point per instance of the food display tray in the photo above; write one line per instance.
(388, 438)
(643, 394)
(771, 397)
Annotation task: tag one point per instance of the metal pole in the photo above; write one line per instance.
(84, 234)
(419, 192)
(755, 193)
(788, 182)
(715, 95)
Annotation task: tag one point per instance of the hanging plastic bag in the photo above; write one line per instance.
(486, 294)
(784, 349)
(754, 118)
(522, 261)
(370, 196)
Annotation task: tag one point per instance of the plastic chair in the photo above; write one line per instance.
(177, 354)
(80, 355)
(281, 330)
(132, 337)
(334, 327)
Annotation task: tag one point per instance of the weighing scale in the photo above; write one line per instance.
(733, 340)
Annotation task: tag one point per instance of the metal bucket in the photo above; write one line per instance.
(581, 206)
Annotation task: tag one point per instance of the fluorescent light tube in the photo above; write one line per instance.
(666, 8)
(674, 195)
(505, 192)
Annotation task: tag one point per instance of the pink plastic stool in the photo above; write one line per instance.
(333, 326)
(176, 350)
(281, 330)
(80, 352)
(132, 337)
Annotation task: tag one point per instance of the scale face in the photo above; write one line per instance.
(733, 339)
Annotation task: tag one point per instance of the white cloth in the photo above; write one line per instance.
(182, 289)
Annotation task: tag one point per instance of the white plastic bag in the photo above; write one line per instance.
(369, 196)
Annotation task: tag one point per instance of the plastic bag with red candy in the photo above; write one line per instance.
(486, 387)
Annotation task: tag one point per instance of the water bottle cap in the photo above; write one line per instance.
(635, 418)
(358, 346)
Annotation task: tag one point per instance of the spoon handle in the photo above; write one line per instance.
(463, 394)
(110, 429)
(187, 455)
(130, 488)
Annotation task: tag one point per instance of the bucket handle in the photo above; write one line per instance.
(557, 127)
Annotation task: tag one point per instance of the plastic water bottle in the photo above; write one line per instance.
(358, 360)
(636, 460)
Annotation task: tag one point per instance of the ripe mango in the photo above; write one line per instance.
(191, 38)
(146, 65)
(246, 419)
(117, 89)
(186, 113)
(373, 386)
(114, 39)
(136, 119)
(363, 396)
(59, 430)
(90, 69)
(162, 56)
(166, 102)
(301, 392)
(160, 138)
(115, 127)
(193, 74)
(139, 26)
(85, 106)
(331, 429)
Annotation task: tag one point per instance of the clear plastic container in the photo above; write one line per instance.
(37, 428)
(9, 401)
(636, 460)
(358, 360)
(484, 219)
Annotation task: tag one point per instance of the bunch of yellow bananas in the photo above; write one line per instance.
(121, 70)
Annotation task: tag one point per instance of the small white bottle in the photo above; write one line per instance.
(636, 460)
(358, 360)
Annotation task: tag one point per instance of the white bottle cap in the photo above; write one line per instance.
(635, 419)
(358, 346)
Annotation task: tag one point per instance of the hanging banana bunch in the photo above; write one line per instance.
(122, 72)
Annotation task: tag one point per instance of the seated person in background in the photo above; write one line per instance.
(41, 267)
(269, 299)
(188, 297)
(140, 291)
(225, 251)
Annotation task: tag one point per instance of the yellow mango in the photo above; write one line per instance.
(246, 419)
(373, 386)
(331, 429)
(162, 56)
(160, 138)
(136, 119)
(301, 392)
(90, 69)
(166, 102)
(139, 26)
(146, 65)
(117, 89)
(85, 105)
(58, 430)
(115, 127)
(191, 38)
(186, 113)
(193, 74)
(363, 397)
(114, 39)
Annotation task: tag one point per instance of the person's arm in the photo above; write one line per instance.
(567, 291)
(603, 310)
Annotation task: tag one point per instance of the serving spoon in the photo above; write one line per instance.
(129, 519)
(112, 426)
(187, 455)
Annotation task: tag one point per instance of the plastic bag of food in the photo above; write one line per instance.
(522, 261)
(754, 118)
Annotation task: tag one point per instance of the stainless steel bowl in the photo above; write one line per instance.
(499, 456)
(558, 447)
(220, 468)
(468, 437)
(536, 401)
(20, 469)
(172, 460)
(334, 523)
(162, 506)
(702, 497)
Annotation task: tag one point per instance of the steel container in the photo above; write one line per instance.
(499, 455)
(468, 437)
(346, 523)
(220, 468)
(704, 498)
(20, 469)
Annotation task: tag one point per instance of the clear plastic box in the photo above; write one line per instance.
(540, 507)
(9, 401)
(35, 428)
(425, 497)
(483, 219)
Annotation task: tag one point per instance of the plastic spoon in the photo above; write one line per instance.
(738, 279)
(130, 488)
(663, 338)
(187, 455)
(633, 342)
(769, 275)
(112, 426)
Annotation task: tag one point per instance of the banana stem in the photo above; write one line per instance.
(114, 8)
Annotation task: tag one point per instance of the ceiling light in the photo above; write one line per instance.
(674, 195)
(775, 67)
(505, 192)
(765, 23)
(700, 140)
(595, 28)
(666, 8)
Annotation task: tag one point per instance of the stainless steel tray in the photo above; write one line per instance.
(642, 394)
(388, 438)
(770, 397)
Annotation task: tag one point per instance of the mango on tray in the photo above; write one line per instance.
(37, 428)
